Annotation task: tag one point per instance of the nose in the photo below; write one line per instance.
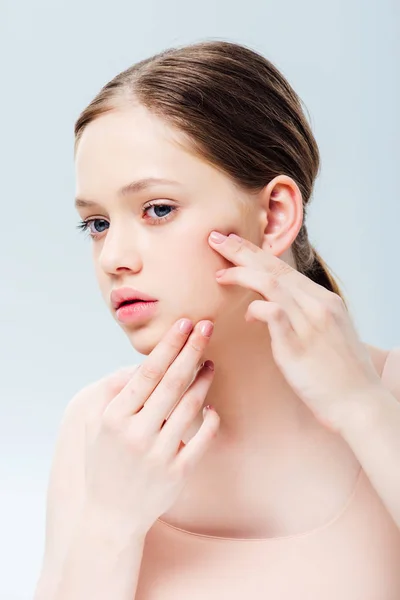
(120, 251)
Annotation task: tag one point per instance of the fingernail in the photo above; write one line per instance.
(207, 329)
(217, 237)
(206, 408)
(209, 365)
(185, 325)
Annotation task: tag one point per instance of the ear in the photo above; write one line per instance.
(281, 204)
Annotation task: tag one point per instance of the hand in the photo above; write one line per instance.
(313, 340)
(136, 462)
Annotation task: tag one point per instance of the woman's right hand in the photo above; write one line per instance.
(136, 464)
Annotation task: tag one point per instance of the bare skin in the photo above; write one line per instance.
(279, 497)
(216, 501)
(266, 433)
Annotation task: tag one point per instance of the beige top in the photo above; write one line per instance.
(355, 556)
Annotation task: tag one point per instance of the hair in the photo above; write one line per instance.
(238, 112)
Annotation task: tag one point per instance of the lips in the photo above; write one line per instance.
(126, 295)
(128, 302)
(131, 302)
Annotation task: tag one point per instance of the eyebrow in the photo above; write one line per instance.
(131, 188)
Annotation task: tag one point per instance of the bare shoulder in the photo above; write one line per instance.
(66, 484)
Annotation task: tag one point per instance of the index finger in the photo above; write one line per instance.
(164, 354)
(149, 374)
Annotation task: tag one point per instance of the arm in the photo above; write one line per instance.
(83, 558)
(64, 493)
(372, 430)
(103, 561)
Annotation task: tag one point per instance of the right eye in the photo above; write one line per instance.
(85, 227)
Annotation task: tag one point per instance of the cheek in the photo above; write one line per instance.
(197, 260)
(193, 263)
(99, 273)
(194, 277)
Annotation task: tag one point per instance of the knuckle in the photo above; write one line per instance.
(285, 269)
(176, 341)
(273, 282)
(194, 401)
(175, 381)
(136, 440)
(196, 343)
(239, 247)
(150, 372)
(308, 337)
(324, 315)
(335, 303)
(280, 270)
(278, 312)
(111, 422)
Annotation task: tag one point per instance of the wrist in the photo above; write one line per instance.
(361, 412)
(111, 527)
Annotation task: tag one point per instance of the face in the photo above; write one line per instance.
(156, 239)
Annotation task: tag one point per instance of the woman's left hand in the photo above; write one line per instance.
(313, 340)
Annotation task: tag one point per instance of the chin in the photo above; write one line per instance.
(145, 337)
(144, 341)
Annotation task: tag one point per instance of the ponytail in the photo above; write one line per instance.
(321, 273)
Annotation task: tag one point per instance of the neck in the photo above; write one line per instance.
(255, 403)
(269, 447)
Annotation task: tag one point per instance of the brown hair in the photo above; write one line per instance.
(239, 114)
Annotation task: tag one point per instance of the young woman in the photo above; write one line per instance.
(290, 488)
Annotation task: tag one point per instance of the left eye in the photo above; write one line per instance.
(160, 206)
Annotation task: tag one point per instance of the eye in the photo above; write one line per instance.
(162, 208)
(85, 225)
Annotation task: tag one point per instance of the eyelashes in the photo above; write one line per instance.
(84, 225)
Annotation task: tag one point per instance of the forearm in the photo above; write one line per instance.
(103, 562)
(372, 430)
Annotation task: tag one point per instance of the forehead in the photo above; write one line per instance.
(131, 138)
(130, 144)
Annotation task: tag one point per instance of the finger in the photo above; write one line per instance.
(175, 382)
(293, 311)
(149, 374)
(277, 319)
(170, 437)
(270, 286)
(242, 252)
(191, 453)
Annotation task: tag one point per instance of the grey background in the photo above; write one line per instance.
(342, 58)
